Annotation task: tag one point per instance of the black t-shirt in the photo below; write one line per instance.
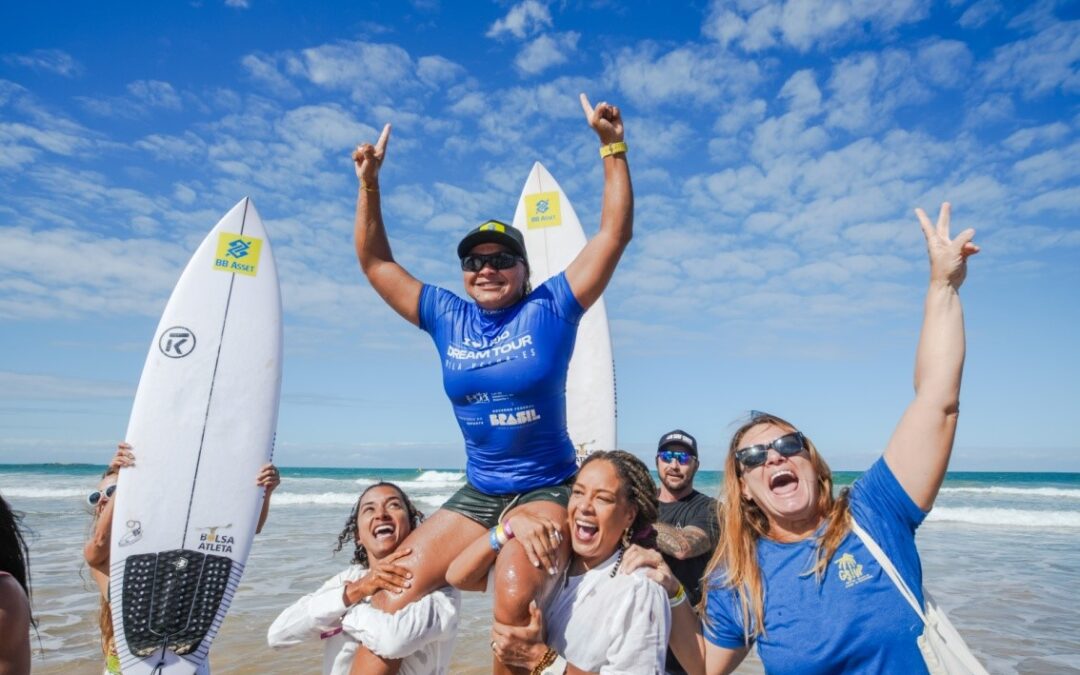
(697, 510)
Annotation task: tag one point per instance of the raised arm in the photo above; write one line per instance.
(269, 478)
(918, 452)
(96, 549)
(397, 287)
(590, 272)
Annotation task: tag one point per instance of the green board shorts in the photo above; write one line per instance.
(488, 509)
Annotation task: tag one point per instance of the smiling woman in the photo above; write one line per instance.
(505, 357)
(801, 573)
(340, 613)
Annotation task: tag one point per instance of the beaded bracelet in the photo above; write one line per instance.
(549, 658)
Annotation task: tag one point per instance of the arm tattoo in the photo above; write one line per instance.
(682, 542)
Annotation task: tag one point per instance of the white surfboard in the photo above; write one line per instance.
(201, 426)
(553, 238)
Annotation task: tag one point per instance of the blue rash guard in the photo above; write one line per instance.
(855, 620)
(505, 374)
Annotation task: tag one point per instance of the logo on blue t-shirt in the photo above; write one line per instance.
(851, 572)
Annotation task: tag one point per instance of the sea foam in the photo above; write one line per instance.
(1062, 493)
(1005, 517)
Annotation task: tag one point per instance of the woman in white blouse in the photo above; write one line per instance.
(596, 620)
(340, 614)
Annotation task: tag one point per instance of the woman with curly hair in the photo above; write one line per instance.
(340, 612)
(15, 617)
(597, 620)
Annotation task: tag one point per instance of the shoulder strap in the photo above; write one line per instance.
(889, 568)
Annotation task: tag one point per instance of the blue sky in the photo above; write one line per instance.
(777, 148)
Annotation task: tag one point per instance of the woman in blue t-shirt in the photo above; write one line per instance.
(504, 360)
(789, 575)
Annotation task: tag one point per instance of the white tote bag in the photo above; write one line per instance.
(942, 647)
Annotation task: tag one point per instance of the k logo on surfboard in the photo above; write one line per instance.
(176, 342)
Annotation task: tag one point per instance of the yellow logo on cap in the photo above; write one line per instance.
(542, 210)
(492, 225)
(237, 253)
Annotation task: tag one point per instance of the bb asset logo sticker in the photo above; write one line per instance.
(237, 253)
(176, 342)
(542, 210)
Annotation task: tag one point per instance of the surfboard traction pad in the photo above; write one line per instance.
(172, 599)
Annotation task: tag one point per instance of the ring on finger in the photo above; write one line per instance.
(492, 645)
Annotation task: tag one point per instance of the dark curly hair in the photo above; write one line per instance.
(639, 489)
(360, 556)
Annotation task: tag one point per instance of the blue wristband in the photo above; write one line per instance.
(493, 539)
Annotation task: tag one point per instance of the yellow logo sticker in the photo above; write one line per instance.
(237, 253)
(542, 210)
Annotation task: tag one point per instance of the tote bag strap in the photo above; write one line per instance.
(889, 568)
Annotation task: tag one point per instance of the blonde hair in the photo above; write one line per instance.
(743, 523)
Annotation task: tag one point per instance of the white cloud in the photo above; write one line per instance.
(979, 13)
(522, 20)
(188, 147)
(545, 51)
(436, 71)
(264, 69)
(155, 93)
(70, 273)
(38, 386)
(1045, 134)
(238, 4)
(755, 25)
(1049, 167)
(47, 60)
(1039, 64)
(683, 75)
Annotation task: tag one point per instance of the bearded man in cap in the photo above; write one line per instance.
(687, 532)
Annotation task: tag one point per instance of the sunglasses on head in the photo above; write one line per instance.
(681, 456)
(787, 445)
(474, 262)
(94, 497)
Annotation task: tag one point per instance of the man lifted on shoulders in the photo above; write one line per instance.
(687, 531)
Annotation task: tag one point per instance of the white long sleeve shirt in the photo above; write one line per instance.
(608, 625)
(422, 633)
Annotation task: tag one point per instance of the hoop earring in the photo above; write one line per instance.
(625, 538)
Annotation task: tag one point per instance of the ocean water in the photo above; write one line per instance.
(1001, 552)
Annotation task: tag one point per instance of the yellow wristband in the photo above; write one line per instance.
(679, 598)
(365, 188)
(609, 150)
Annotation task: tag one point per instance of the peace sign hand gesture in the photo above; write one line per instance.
(368, 158)
(605, 119)
(948, 257)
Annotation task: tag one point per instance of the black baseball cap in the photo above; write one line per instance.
(678, 437)
(493, 231)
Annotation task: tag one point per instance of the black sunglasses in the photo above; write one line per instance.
(474, 262)
(787, 445)
(94, 497)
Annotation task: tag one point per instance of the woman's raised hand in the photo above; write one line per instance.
(948, 257)
(605, 119)
(123, 457)
(368, 158)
